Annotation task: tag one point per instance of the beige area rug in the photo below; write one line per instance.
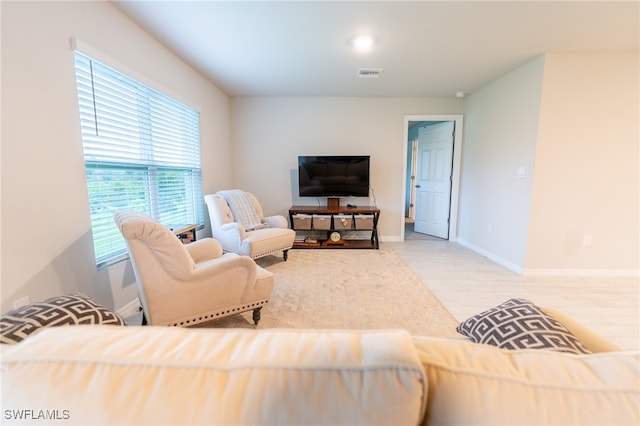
(341, 288)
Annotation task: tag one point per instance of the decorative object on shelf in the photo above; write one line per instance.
(336, 238)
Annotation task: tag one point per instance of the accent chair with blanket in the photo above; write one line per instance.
(238, 222)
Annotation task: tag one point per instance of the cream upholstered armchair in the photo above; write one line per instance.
(186, 284)
(238, 222)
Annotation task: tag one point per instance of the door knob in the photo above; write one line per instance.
(417, 186)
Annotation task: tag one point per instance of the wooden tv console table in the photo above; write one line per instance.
(346, 220)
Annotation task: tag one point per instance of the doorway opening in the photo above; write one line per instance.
(431, 180)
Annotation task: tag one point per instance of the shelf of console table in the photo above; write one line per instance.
(371, 243)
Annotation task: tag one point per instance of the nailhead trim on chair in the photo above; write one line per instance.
(270, 252)
(209, 317)
(265, 253)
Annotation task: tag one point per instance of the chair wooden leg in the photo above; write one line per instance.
(285, 254)
(256, 315)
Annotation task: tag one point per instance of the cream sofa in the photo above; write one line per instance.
(99, 374)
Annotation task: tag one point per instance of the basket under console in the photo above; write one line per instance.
(335, 227)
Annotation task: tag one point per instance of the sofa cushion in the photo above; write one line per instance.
(71, 309)
(520, 324)
(472, 384)
(166, 375)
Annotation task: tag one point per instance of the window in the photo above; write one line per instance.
(141, 152)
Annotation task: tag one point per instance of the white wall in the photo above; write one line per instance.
(586, 180)
(46, 235)
(572, 120)
(501, 126)
(270, 133)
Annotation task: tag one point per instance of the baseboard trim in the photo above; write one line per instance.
(492, 256)
(130, 309)
(546, 272)
(614, 273)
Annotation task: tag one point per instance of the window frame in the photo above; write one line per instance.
(171, 188)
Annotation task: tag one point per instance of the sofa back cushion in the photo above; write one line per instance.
(476, 384)
(156, 375)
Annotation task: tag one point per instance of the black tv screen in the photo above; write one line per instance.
(333, 176)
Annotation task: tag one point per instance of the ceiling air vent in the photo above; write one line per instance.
(369, 72)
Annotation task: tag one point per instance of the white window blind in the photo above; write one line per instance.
(141, 152)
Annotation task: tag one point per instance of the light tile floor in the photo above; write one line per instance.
(468, 283)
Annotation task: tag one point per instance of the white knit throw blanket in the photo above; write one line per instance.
(242, 209)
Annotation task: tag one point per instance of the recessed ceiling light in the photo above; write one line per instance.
(363, 43)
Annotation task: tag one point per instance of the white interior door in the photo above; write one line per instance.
(433, 182)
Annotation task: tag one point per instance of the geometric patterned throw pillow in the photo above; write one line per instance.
(60, 310)
(520, 324)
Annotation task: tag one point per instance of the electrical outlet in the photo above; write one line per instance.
(19, 303)
(587, 240)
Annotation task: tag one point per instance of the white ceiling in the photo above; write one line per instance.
(426, 48)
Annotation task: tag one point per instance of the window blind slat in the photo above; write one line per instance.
(141, 152)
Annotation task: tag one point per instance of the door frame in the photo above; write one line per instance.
(455, 171)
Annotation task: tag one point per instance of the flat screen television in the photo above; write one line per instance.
(333, 176)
